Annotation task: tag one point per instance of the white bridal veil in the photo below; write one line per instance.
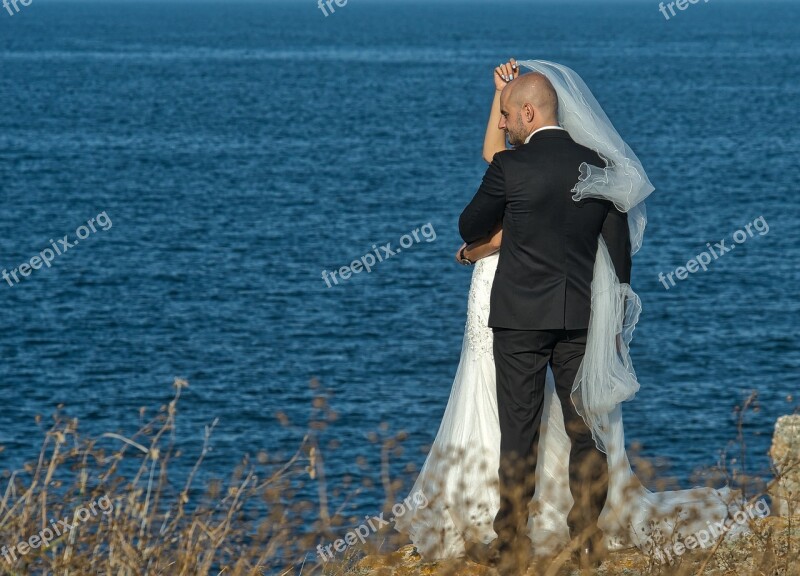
(607, 377)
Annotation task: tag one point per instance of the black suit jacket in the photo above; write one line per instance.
(546, 263)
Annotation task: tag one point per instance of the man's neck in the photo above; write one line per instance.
(553, 126)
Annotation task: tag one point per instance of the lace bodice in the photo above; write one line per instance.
(477, 332)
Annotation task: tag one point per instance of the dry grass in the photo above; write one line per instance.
(771, 546)
(251, 523)
(236, 527)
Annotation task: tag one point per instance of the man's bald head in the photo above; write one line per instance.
(527, 103)
(537, 90)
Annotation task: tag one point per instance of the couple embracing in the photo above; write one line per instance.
(529, 460)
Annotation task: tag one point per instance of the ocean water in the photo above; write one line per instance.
(235, 151)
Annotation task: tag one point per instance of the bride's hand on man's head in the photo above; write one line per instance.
(504, 73)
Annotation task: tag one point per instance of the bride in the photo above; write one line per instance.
(460, 475)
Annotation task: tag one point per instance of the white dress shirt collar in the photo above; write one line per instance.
(528, 139)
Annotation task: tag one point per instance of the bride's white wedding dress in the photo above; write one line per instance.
(460, 475)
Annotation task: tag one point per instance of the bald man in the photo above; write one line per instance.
(541, 301)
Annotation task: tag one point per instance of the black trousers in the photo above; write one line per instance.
(521, 358)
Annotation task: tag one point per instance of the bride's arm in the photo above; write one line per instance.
(482, 248)
(495, 139)
(493, 142)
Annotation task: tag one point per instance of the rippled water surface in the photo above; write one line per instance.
(239, 150)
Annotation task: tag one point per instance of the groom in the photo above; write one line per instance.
(540, 304)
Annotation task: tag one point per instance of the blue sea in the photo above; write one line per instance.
(214, 159)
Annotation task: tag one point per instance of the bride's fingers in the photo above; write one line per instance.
(512, 68)
(500, 73)
(505, 73)
(508, 71)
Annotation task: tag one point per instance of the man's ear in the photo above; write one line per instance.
(529, 112)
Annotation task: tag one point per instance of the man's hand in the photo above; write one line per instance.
(505, 73)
